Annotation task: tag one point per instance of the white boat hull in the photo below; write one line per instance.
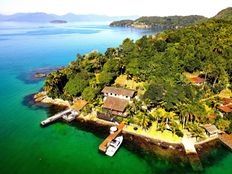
(114, 146)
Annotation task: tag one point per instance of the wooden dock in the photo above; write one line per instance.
(103, 145)
(64, 114)
(226, 139)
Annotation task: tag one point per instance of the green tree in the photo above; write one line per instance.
(222, 124)
(106, 78)
(112, 66)
(76, 85)
(90, 93)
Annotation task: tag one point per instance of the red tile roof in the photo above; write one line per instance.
(227, 101)
(229, 105)
(115, 104)
(197, 80)
(213, 116)
(119, 91)
(225, 109)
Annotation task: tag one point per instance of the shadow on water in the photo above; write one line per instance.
(212, 153)
(29, 101)
(29, 77)
(158, 163)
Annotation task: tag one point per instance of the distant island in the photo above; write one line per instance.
(160, 23)
(58, 21)
(169, 22)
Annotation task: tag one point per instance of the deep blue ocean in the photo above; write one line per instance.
(27, 148)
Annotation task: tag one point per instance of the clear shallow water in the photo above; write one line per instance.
(25, 147)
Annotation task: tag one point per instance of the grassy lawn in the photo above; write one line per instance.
(79, 104)
(131, 84)
(151, 132)
(225, 93)
(191, 75)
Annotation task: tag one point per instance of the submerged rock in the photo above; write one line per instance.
(40, 75)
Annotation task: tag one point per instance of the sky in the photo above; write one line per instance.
(206, 8)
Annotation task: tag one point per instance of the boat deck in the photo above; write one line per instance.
(103, 145)
(227, 140)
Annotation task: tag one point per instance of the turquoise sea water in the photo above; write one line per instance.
(27, 148)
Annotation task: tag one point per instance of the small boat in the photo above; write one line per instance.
(114, 145)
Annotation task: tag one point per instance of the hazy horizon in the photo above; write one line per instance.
(207, 8)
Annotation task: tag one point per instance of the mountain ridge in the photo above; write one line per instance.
(70, 17)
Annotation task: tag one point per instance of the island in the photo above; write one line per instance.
(58, 22)
(160, 23)
(171, 90)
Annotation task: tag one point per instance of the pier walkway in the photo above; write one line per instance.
(68, 115)
(104, 144)
(226, 139)
(190, 150)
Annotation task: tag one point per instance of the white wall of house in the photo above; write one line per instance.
(118, 96)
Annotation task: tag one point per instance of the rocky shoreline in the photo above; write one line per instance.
(42, 97)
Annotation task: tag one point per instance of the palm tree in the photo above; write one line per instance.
(182, 109)
(159, 114)
(174, 126)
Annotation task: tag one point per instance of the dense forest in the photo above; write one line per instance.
(160, 63)
(160, 23)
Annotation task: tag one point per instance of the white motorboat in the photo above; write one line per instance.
(114, 145)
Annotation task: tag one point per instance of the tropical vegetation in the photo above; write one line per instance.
(160, 23)
(168, 98)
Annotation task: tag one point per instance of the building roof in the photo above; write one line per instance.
(229, 105)
(197, 80)
(227, 101)
(79, 104)
(225, 108)
(210, 128)
(115, 104)
(119, 91)
(213, 116)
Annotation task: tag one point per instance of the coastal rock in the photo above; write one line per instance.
(42, 97)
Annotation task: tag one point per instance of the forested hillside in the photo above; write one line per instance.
(158, 59)
(160, 64)
(161, 23)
